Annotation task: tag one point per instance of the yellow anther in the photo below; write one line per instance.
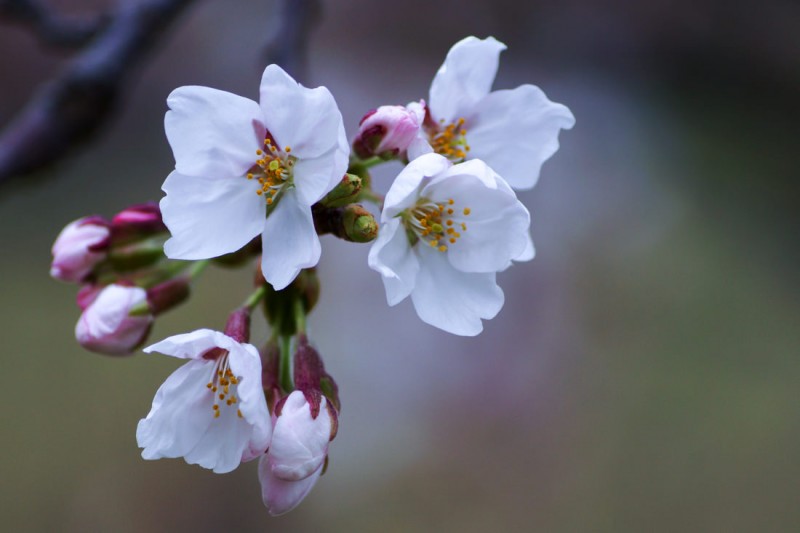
(443, 248)
(210, 385)
(464, 226)
(215, 407)
(452, 240)
(269, 201)
(221, 396)
(249, 175)
(450, 222)
(434, 244)
(216, 414)
(287, 149)
(239, 412)
(451, 201)
(230, 401)
(449, 211)
(259, 152)
(467, 211)
(214, 388)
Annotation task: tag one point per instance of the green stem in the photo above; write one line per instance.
(255, 297)
(299, 316)
(197, 268)
(286, 363)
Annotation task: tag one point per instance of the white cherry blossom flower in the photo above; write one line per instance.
(515, 131)
(211, 411)
(445, 231)
(244, 169)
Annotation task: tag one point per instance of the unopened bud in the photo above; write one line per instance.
(107, 326)
(386, 131)
(137, 222)
(344, 193)
(79, 247)
(359, 224)
(165, 296)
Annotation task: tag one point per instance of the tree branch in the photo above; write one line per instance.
(70, 110)
(52, 29)
(287, 44)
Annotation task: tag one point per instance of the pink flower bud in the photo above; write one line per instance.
(299, 439)
(386, 130)
(106, 325)
(78, 248)
(281, 496)
(137, 222)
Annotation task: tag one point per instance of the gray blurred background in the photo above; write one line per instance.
(642, 376)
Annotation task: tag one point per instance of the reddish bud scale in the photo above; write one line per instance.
(238, 325)
(137, 222)
(167, 295)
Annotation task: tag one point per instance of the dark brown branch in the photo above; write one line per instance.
(52, 29)
(71, 109)
(287, 44)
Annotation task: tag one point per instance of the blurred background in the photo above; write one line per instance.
(643, 375)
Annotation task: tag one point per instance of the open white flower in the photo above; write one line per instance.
(445, 232)
(244, 168)
(515, 131)
(212, 410)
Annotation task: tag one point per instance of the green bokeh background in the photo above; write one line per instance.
(643, 375)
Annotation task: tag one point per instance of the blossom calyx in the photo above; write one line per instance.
(79, 247)
(387, 131)
(107, 325)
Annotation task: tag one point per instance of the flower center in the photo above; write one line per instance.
(450, 140)
(223, 385)
(439, 224)
(273, 170)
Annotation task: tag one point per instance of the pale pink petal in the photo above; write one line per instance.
(290, 242)
(464, 78)
(281, 496)
(213, 133)
(452, 300)
(306, 120)
(210, 217)
(299, 442)
(392, 256)
(516, 131)
(105, 326)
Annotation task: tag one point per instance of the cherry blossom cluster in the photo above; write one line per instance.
(259, 182)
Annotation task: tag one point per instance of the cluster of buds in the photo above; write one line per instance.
(265, 180)
(125, 279)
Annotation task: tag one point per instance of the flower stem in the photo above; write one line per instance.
(255, 297)
(197, 268)
(285, 364)
(299, 316)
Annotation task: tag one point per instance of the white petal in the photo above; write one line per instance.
(516, 131)
(299, 442)
(213, 133)
(497, 227)
(210, 217)
(180, 415)
(245, 363)
(452, 300)
(189, 345)
(315, 177)
(391, 255)
(464, 78)
(307, 120)
(224, 443)
(405, 189)
(419, 146)
(289, 241)
(529, 252)
(281, 496)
